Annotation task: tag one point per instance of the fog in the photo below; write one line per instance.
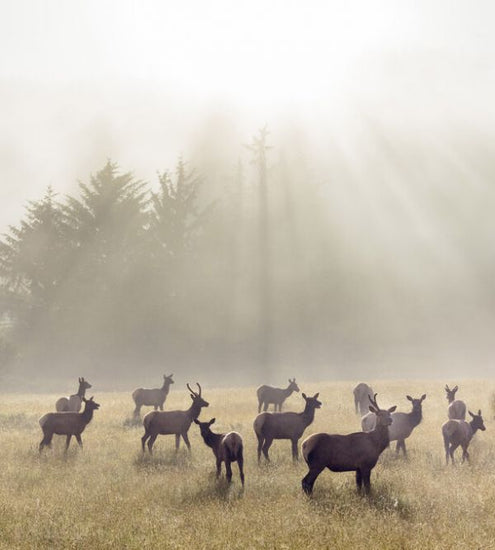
(375, 259)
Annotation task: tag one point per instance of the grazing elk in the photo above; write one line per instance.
(457, 408)
(154, 397)
(362, 392)
(357, 452)
(73, 403)
(402, 423)
(226, 448)
(172, 422)
(67, 423)
(460, 432)
(269, 394)
(288, 425)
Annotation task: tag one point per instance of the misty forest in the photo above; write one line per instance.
(264, 263)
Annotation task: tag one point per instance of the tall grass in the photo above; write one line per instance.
(111, 496)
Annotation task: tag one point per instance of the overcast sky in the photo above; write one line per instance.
(136, 81)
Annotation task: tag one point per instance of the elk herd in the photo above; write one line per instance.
(355, 452)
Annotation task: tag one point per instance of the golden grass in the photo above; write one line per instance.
(110, 496)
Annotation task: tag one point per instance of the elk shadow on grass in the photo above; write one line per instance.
(214, 489)
(159, 461)
(343, 499)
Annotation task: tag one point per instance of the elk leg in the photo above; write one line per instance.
(177, 442)
(366, 474)
(79, 440)
(228, 471)
(259, 406)
(465, 454)
(186, 441)
(240, 463)
(137, 411)
(295, 455)
(260, 445)
(265, 406)
(67, 441)
(219, 467)
(144, 439)
(47, 440)
(266, 445)
(451, 452)
(151, 441)
(359, 480)
(155, 407)
(309, 479)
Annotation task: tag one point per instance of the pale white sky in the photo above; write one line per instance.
(84, 80)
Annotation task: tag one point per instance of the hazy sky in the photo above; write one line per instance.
(138, 81)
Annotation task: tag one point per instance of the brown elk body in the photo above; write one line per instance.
(362, 392)
(457, 408)
(73, 403)
(269, 394)
(66, 423)
(357, 452)
(226, 448)
(172, 422)
(402, 423)
(152, 397)
(459, 433)
(288, 425)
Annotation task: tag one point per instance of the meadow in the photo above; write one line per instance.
(110, 495)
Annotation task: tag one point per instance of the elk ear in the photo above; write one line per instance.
(315, 396)
(196, 421)
(446, 387)
(212, 421)
(471, 414)
(455, 388)
(392, 409)
(191, 396)
(479, 412)
(423, 397)
(373, 410)
(409, 397)
(304, 396)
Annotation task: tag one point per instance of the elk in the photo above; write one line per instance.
(288, 425)
(73, 402)
(226, 448)
(172, 422)
(269, 394)
(457, 408)
(361, 393)
(357, 452)
(402, 423)
(67, 423)
(154, 397)
(460, 432)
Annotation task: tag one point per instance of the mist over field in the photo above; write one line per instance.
(241, 194)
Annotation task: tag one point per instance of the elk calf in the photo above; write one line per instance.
(154, 397)
(269, 394)
(288, 425)
(362, 392)
(226, 448)
(74, 402)
(460, 432)
(357, 452)
(457, 408)
(67, 423)
(402, 423)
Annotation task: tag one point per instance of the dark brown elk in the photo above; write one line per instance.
(66, 423)
(288, 425)
(154, 397)
(457, 408)
(361, 394)
(74, 402)
(172, 422)
(460, 432)
(226, 448)
(269, 394)
(356, 452)
(402, 423)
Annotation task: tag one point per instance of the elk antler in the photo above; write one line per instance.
(199, 387)
(192, 391)
(373, 401)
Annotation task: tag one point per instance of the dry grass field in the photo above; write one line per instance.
(110, 496)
